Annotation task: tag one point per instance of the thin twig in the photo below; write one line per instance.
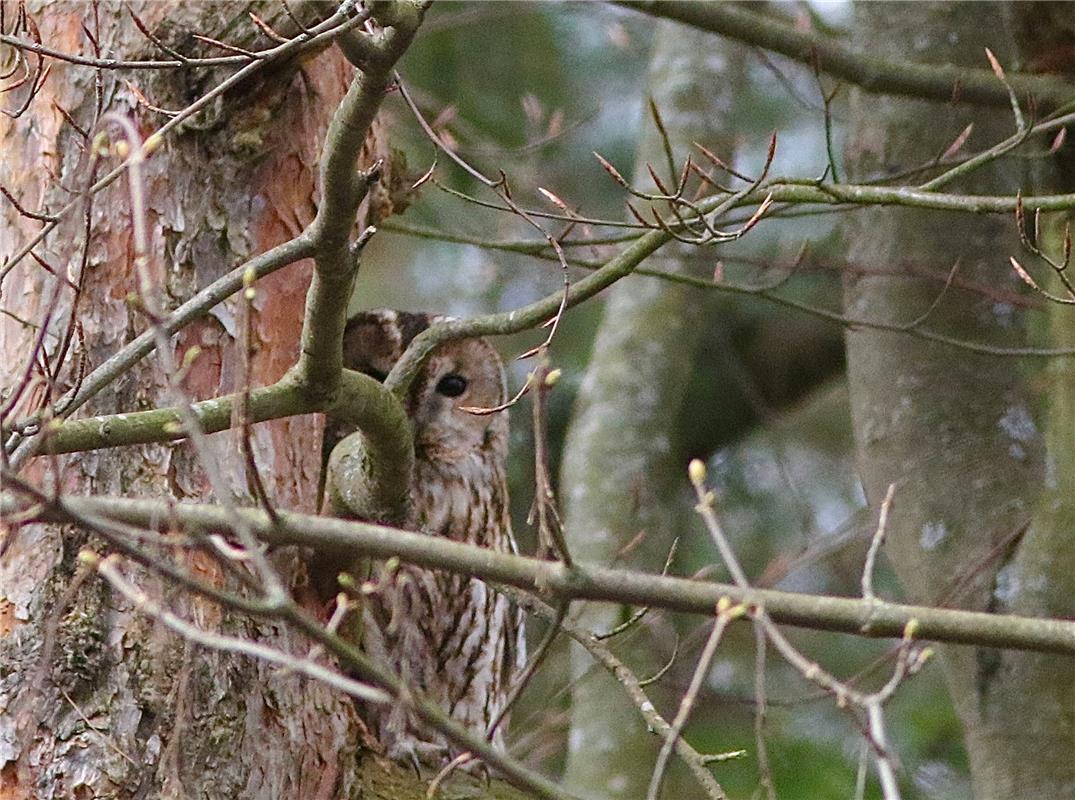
(695, 761)
(726, 612)
(875, 544)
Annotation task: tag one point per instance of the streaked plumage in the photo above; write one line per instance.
(449, 636)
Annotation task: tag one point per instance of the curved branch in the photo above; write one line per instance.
(930, 82)
(342, 190)
(315, 383)
(361, 401)
(369, 471)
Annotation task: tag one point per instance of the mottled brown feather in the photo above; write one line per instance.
(450, 637)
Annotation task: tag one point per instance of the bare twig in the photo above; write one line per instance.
(726, 612)
(634, 687)
(875, 544)
(765, 771)
(551, 540)
(844, 694)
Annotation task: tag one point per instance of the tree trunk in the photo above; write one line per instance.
(954, 431)
(622, 474)
(94, 700)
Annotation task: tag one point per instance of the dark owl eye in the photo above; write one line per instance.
(452, 385)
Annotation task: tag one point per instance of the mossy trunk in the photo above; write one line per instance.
(959, 433)
(623, 474)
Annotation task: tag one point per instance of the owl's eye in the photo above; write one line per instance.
(452, 385)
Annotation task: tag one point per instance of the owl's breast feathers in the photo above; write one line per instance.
(451, 636)
(463, 499)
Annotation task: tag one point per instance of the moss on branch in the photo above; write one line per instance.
(283, 399)
(369, 473)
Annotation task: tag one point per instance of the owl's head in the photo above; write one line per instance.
(466, 373)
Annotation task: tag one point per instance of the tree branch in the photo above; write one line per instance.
(282, 399)
(342, 190)
(872, 619)
(134, 351)
(929, 82)
(625, 263)
(314, 384)
(139, 431)
(362, 402)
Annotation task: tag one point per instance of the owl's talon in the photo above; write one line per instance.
(420, 754)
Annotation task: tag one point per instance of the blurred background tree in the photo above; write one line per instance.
(804, 422)
(759, 386)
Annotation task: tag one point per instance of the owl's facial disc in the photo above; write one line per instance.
(458, 376)
(465, 373)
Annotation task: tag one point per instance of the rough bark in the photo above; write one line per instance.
(168, 719)
(956, 432)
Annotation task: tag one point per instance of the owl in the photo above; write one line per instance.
(450, 637)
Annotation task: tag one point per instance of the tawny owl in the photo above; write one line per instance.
(449, 637)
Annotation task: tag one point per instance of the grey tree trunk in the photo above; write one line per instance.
(622, 473)
(972, 525)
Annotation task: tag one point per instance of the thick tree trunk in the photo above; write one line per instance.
(94, 700)
(955, 431)
(622, 471)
